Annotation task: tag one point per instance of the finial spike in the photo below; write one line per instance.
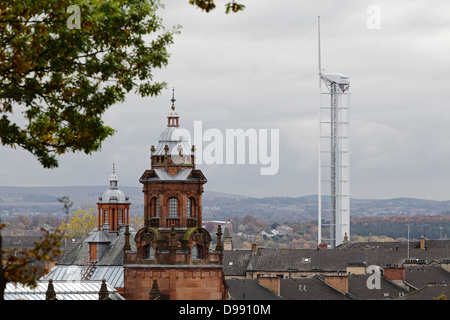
(173, 98)
(319, 51)
(114, 169)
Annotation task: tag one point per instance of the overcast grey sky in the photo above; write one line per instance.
(258, 69)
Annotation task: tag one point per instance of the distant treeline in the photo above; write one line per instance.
(39, 198)
(432, 227)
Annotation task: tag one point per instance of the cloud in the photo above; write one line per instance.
(258, 69)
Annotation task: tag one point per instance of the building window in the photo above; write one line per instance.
(106, 216)
(173, 207)
(155, 207)
(196, 252)
(149, 252)
(189, 208)
(120, 216)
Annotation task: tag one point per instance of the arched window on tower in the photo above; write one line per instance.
(173, 207)
(189, 208)
(155, 207)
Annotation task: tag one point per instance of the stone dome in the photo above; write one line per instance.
(176, 138)
(113, 194)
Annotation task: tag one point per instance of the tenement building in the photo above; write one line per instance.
(172, 258)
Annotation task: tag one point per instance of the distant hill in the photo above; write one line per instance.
(430, 226)
(216, 205)
(19, 196)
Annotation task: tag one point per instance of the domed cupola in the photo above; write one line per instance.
(113, 207)
(174, 149)
(113, 194)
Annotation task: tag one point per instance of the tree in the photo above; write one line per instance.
(137, 222)
(19, 266)
(21, 222)
(63, 63)
(82, 222)
(65, 68)
(208, 5)
(249, 219)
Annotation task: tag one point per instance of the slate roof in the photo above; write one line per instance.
(249, 289)
(290, 289)
(113, 256)
(99, 236)
(383, 253)
(371, 253)
(235, 262)
(429, 292)
(309, 289)
(29, 242)
(18, 242)
(420, 276)
(282, 260)
(357, 286)
(110, 266)
(314, 288)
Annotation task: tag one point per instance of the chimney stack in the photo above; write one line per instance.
(422, 242)
(271, 283)
(346, 237)
(394, 273)
(322, 246)
(337, 281)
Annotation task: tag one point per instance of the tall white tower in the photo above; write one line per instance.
(334, 161)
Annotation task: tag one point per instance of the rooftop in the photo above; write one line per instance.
(73, 290)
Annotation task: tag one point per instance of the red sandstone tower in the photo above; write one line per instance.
(113, 215)
(173, 259)
(113, 207)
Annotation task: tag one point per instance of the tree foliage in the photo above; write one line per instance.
(20, 265)
(64, 78)
(208, 5)
(136, 222)
(21, 222)
(81, 223)
(432, 227)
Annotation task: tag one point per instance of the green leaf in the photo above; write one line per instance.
(66, 79)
